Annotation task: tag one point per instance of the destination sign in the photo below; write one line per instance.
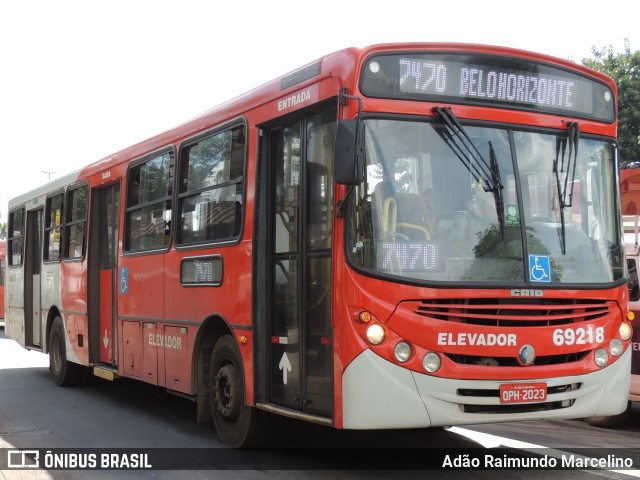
(487, 79)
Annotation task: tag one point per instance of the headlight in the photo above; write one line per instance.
(431, 362)
(625, 331)
(616, 347)
(402, 351)
(601, 357)
(375, 334)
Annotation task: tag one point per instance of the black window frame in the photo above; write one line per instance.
(139, 206)
(12, 238)
(183, 193)
(48, 227)
(70, 222)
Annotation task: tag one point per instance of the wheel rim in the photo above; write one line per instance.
(56, 353)
(227, 392)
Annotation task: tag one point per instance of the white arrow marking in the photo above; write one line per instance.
(105, 340)
(285, 366)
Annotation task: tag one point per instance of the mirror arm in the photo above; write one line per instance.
(344, 98)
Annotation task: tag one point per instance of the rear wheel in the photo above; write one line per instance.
(64, 373)
(237, 425)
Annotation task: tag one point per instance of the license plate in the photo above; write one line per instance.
(523, 392)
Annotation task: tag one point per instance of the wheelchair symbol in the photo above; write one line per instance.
(124, 280)
(539, 268)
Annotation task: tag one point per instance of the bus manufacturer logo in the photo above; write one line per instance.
(527, 292)
(527, 355)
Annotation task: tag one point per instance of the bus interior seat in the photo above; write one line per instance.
(412, 217)
(402, 213)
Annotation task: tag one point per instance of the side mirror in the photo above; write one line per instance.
(632, 283)
(347, 149)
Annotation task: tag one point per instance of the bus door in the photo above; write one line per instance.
(103, 254)
(300, 160)
(32, 267)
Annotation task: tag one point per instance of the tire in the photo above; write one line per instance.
(612, 421)
(237, 425)
(65, 373)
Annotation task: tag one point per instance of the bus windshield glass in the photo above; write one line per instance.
(502, 206)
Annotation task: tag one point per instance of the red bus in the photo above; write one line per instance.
(3, 245)
(630, 200)
(398, 236)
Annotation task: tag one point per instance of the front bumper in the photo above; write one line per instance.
(377, 394)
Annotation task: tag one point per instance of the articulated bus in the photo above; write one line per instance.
(3, 246)
(398, 236)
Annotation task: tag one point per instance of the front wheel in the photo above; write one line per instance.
(237, 424)
(612, 421)
(64, 373)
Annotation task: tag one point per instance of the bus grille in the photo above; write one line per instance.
(507, 312)
(512, 362)
(469, 405)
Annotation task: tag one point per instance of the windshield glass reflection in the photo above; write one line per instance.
(431, 208)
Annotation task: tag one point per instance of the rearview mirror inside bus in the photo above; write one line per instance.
(346, 152)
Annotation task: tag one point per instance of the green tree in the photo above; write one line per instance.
(3, 231)
(624, 69)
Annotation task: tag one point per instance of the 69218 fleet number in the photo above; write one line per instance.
(578, 336)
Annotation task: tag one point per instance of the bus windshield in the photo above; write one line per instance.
(500, 205)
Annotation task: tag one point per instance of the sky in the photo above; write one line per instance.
(82, 79)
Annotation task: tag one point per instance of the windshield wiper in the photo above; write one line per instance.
(462, 145)
(567, 169)
(497, 191)
(483, 172)
(573, 138)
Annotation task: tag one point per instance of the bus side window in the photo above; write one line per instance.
(150, 186)
(211, 187)
(15, 242)
(76, 222)
(52, 228)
